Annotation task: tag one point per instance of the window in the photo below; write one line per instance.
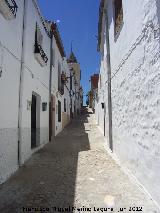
(118, 15)
(64, 105)
(38, 35)
(60, 82)
(44, 106)
(59, 77)
(59, 111)
(40, 55)
(8, 8)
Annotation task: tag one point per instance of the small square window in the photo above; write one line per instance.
(44, 106)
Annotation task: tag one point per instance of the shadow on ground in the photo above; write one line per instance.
(48, 179)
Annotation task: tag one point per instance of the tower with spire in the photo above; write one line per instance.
(76, 73)
(72, 58)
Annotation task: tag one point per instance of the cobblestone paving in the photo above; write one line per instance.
(73, 171)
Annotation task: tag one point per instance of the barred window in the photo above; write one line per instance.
(38, 35)
(59, 77)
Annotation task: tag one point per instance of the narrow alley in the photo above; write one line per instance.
(73, 171)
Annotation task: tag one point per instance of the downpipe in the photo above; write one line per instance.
(50, 87)
(21, 88)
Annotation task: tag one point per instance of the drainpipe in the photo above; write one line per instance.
(109, 80)
(21, 88)
(50, 86)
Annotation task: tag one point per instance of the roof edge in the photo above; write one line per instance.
(56, 33)
(101, 7)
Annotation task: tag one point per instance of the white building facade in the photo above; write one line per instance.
(60, 96)
(35, 98)
(128, 103)
(10, 66)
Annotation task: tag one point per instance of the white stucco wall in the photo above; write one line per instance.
(58, 59)
(135, 67)
(66, 92)
(35, 79)
(10, 56)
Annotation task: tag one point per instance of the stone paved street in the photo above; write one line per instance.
(73, 170)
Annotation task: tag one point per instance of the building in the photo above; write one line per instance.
(127, 106)
(34, 83)
(93, 92)
(25, 80)
(60, 92)
(10, 67)
(75, 87)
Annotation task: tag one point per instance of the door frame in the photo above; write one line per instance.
(52, 118)
(36, 137)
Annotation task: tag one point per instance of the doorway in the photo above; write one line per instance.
(52, 118)
(104, 119)
(59, 112)
(35, 120)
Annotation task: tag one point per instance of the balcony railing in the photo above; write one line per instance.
(8, 8)
(40, 55)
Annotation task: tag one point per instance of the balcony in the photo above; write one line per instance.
(8, 8)
(40, 55)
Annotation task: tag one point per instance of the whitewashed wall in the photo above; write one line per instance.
(35, 79)
(135, 66)
(10, 56)
(66, 92)
(64, 67)
(100, 113)
(58, 96)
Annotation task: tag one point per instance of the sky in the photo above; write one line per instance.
(78, 23)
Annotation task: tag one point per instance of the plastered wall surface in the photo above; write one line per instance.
(10, 56)
(135, 67)
(35, 79)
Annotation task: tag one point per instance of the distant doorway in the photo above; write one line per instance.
(104, 119)
(59, 112)
(35, 120)
(52, 118)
